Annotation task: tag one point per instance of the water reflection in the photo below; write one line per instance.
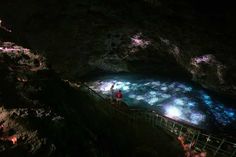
(176, 100)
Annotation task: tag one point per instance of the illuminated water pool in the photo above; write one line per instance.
(176, 100)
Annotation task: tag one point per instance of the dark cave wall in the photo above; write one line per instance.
(75, 37)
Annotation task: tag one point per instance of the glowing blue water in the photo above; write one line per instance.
(176, 100)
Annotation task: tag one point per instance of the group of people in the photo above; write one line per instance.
(116, 95)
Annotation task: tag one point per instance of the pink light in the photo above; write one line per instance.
(138, 42)
(14, 49)
(13, 139)
(205, 58)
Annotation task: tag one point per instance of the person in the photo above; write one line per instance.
(112, 91)
(119, 97)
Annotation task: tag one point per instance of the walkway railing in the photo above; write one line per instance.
(216, 146)
(213, 145)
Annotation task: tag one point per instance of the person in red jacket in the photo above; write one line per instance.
(119, 96)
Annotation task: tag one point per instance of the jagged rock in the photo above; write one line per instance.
(18, 86)
(110, 63)
(23, 135)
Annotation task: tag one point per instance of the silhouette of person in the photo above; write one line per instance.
(112, 91)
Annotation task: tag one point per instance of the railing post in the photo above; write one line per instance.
(180, 130)
(198, 133)
(146, 117)
(153, 120)
(218, 148)
(208, 139)
(193, 137)
(173, 127)
(134, 116)
(166, 123)
(160, 121)
(187, 135)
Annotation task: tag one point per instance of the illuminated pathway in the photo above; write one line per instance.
(179, 101)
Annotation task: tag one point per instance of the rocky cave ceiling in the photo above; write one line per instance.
(194, 38)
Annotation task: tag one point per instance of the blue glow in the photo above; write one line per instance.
(139, 97)
(179, 102)
(173, 112)
(196, 118)
(156, 83)
(188, 89)
(152, 93)
(152, 101)
(164, 88)
(206, 96)
(166, 96)
(127, 83)
(176, 100)
(132, 96)
(191, 104)
(125, 88)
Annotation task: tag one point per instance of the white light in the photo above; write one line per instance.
(179, 102)
(152, 93)
(196, 118)
(156, 83)
(139, 97)
(173, 112)
(153, 101)
(132, 96)
(125, 88)
(171, 85)
(191, 104)
(127, 83)
(188, 89)
(119, 85)
(177, 89)
(165, 96)
(146, 84)
(106, 86)
(164, 88)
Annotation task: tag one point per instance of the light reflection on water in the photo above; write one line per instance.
(176, 100)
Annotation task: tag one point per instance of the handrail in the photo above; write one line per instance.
(182, 122)
(217, 146)
(105, 100)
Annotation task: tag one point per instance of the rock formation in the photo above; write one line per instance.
(44, 115)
